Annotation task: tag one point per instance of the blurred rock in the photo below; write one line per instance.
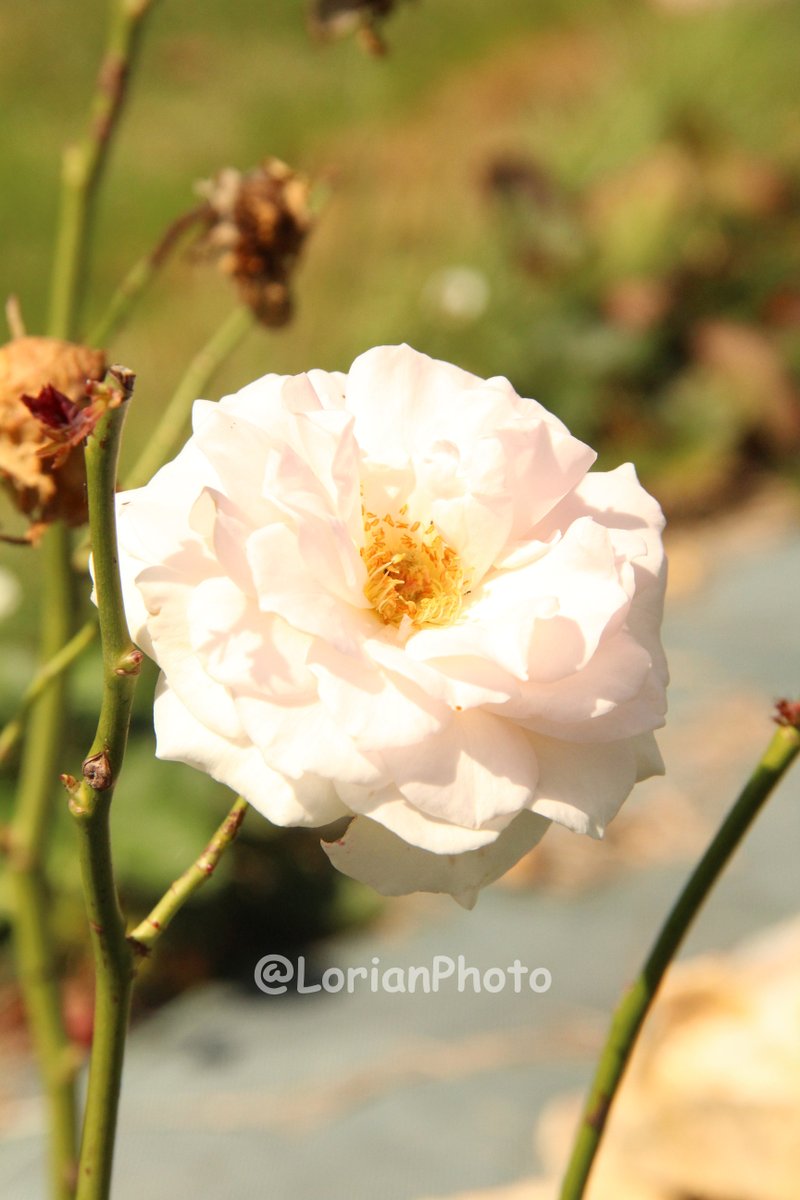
(711, 1104)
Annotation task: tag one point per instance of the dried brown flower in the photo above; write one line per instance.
(44, 390)
(260, 221)
(338, 18)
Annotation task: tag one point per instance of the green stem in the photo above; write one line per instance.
(166, 438)
(27, 835)
(49, 671)
(635, 1004)
(27, 840)
(148, 931)
(139, 278)
(90, 803)
(83, 165)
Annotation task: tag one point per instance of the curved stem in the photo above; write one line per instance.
(49, 671)
(90, 803)
(83, 165)
(148, 931)
(140, 276)
(635, 1004)
(167, 435)
(27, 842)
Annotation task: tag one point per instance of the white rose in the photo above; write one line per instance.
(397, 595)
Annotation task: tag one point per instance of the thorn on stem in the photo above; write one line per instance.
(71, 784)
(596, 1119)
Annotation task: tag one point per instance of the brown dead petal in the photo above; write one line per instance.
(27, 366)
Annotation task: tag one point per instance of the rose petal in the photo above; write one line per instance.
(180, 737)
(477, 768)
(583, 786)
(375, 856)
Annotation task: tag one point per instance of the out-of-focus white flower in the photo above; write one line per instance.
(461, 294)
(397, 595)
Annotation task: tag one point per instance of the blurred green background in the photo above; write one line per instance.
(597, 201)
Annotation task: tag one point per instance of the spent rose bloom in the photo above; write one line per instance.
(397, 596)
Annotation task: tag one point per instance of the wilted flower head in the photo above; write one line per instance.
(44, 416)
(259, 223)
(338, 18)
(397, 596)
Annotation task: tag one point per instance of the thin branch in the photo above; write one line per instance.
(90, 803)
(168, 434)
(84, 162)
(148, 931)
(635, 1004)
(50, 670)
(27, 841)
(141, 276)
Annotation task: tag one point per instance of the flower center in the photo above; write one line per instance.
(411, 571)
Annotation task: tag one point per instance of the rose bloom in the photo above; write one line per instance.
(396, 596)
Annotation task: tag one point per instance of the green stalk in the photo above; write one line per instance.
(83, 165)
(28, 836)
(166, 438)
(140, 277)
(148, 931)
(52, 669)
(636, 1002)
(90, 803)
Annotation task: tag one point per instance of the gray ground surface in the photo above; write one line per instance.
(398, 1097)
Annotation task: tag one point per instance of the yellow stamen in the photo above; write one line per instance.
(411, 572)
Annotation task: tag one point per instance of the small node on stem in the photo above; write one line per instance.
(76, 806)
(114, 390)
(97, 772)
(787, 713)
(138, 948)
(130, 663)
(125, 377)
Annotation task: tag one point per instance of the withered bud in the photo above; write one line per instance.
(44, 390)
(338, 18)
(97, 772)
(259, 222)
(787, 712)
(68, 424)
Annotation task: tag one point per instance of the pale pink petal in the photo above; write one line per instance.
(477, 768)
(372, 854)
(300, 738)
(583, 786)
(377, 709)
(417, 827)
(286, 585)
(180, 737)
(168, 596)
